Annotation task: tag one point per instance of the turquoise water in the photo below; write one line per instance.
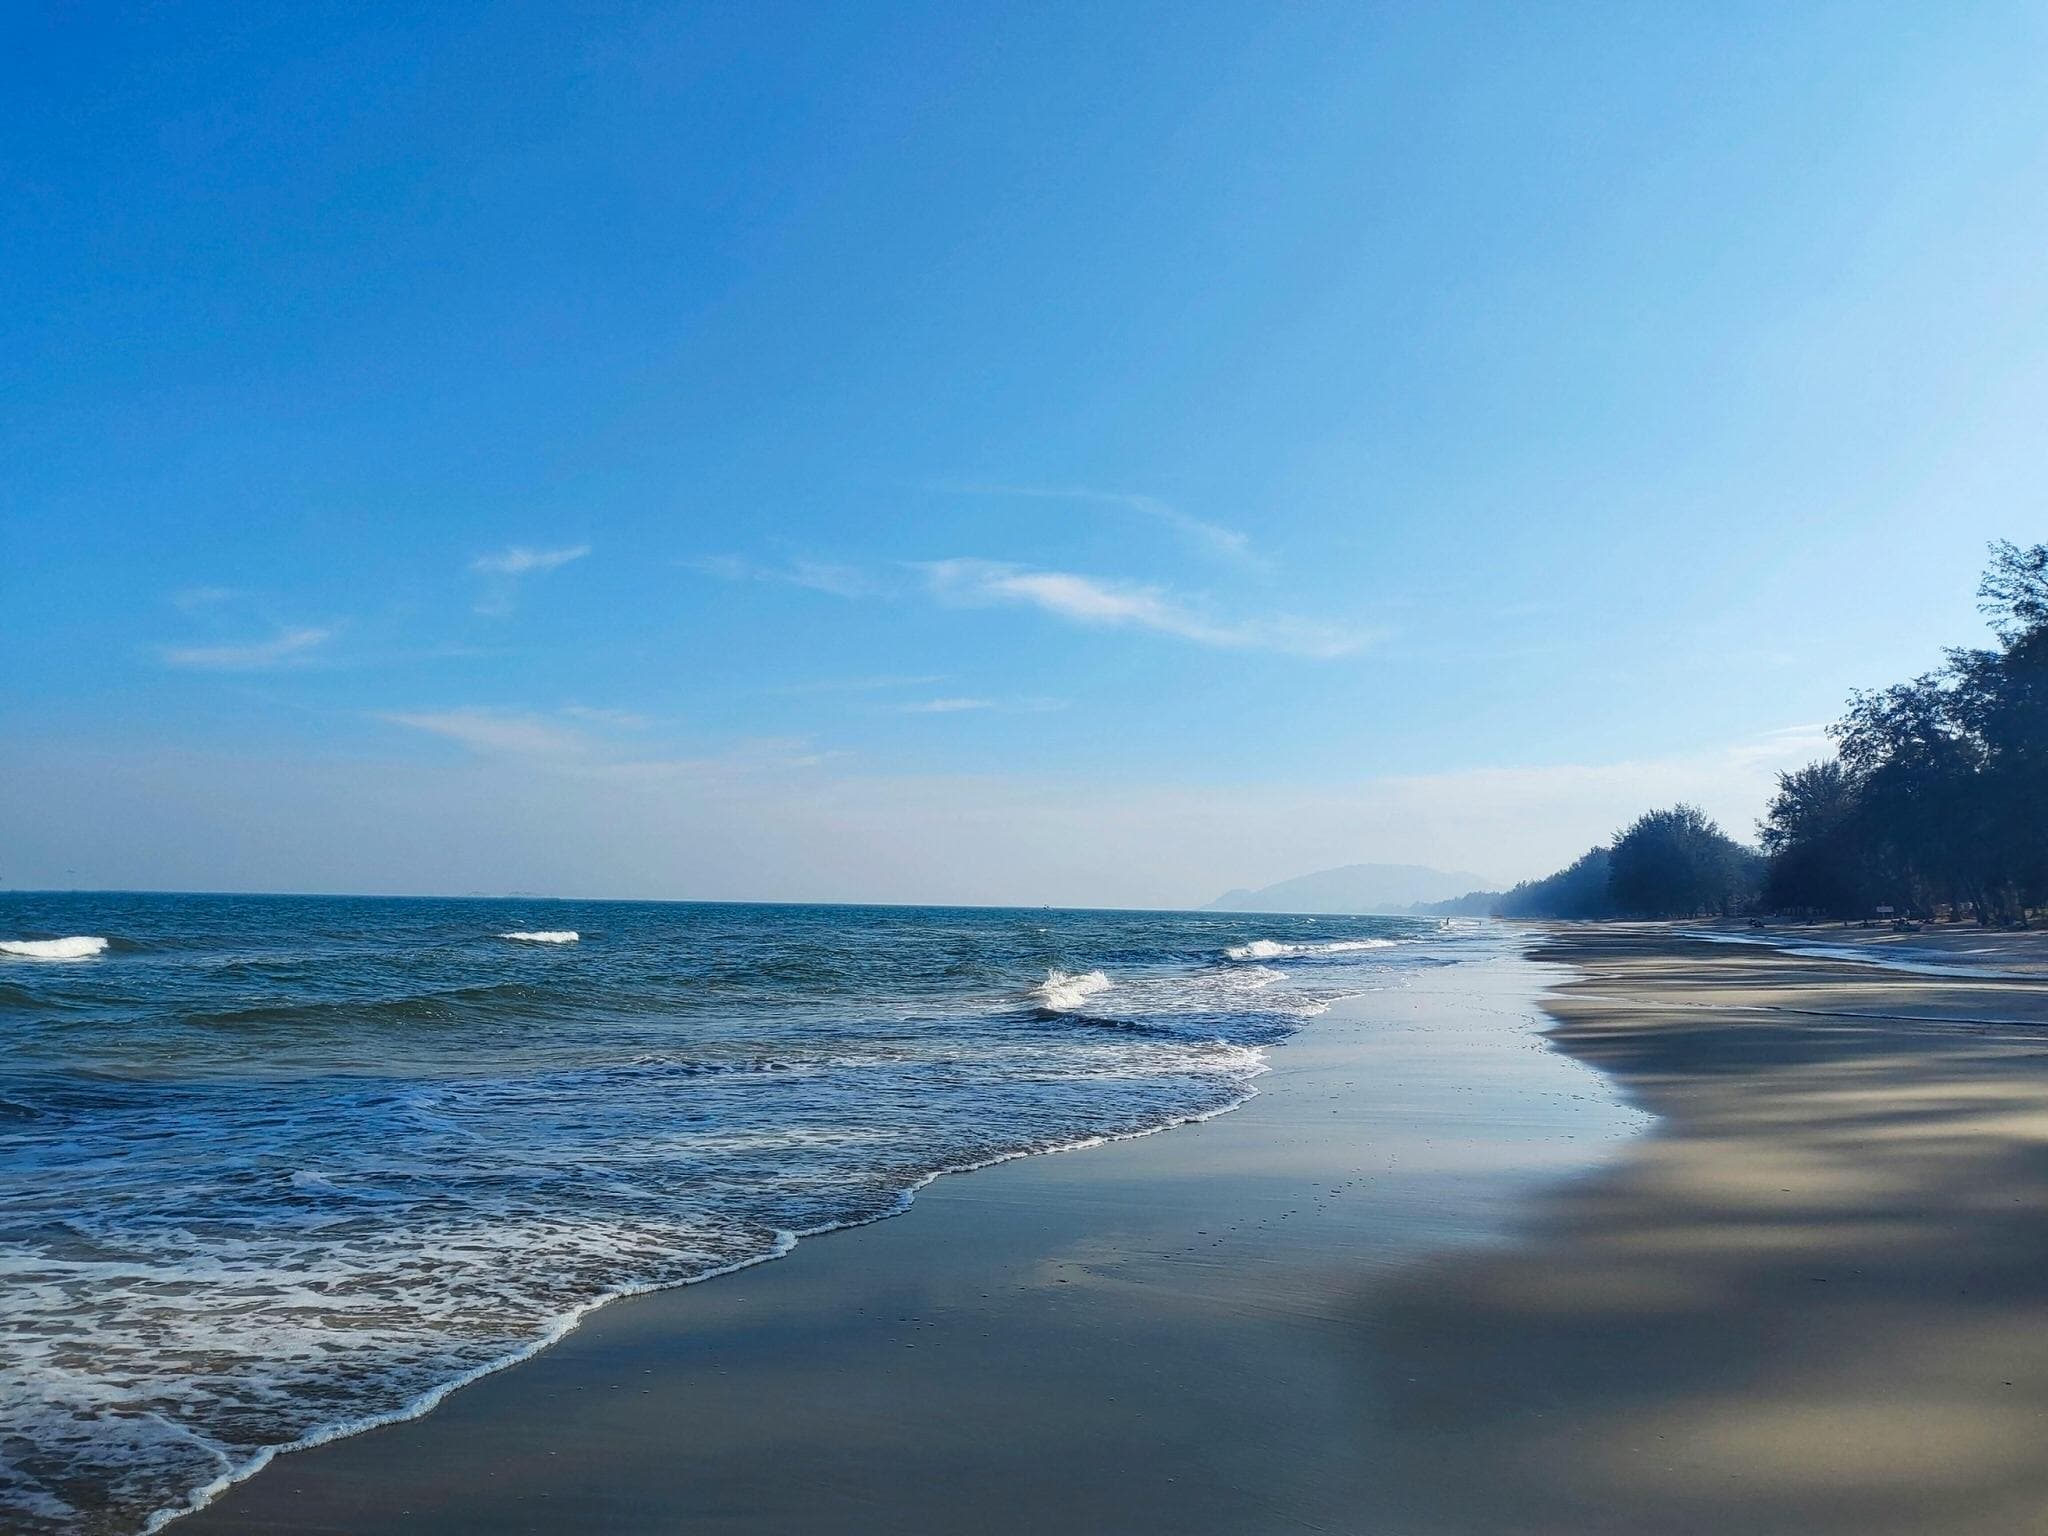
(274, 1168)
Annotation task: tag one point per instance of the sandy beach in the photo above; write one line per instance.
(1815, 1300)
(1435, 1279)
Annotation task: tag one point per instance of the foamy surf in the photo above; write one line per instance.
(1273, 949)
(545, 936)
(81, 948)
(1065, 990)
(900, 1043)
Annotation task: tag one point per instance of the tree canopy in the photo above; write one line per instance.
(1670, 863)
(1677, 863)
(1938, 793)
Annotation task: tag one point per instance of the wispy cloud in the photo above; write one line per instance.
(497, 733)
(1110, 604)
(1214, 538)
(522, 561)
(814, 575)
(285, 648)
(584, 743)
(954, 706)
(944, 706)
(1785, 746)
(1080, 599)
(504, 569)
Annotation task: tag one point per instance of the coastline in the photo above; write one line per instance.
(1152, 1335)
(1812, 1299)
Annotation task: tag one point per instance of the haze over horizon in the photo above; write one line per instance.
(1100, 456)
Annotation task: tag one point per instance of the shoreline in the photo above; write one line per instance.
(560, 1328)
(1950, 950)
(1018, 1297)
(1812, 1299)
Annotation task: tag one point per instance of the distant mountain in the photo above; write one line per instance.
(1354, 888)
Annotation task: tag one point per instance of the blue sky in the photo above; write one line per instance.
(1079, 453)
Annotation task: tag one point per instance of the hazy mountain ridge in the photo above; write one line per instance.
(1353, 888)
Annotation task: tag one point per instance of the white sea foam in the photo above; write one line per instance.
(545, 936)
(414, 1229)
(1273, 949)
(1247, 1062)
(1063, 990)
(53, 949)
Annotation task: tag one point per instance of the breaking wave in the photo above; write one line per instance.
(1274, 949)
(83, 948)
(1064, 991)
(544, 936)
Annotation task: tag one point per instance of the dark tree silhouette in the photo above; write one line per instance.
(1810, 833)
(1939, 794)
(1577, 891)
(1677, 863)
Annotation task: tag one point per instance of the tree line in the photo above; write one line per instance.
(1936, 801)
(1937, 796)
(1669, 863)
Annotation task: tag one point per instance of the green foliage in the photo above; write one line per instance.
(1673, 863)
(1939, 791)
(1677, 863)
(1577, 891)
(1938, 794)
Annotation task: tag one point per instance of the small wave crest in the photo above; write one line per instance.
(81, 948)
(544, 936)
(1274, 949)
(1064, 991)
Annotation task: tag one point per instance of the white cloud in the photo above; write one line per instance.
(1790, 745)
(1212, 537)
(943, 706)
(506, 568)
(519, 560)
(498, 732)
(1107, 603)
(286, 647)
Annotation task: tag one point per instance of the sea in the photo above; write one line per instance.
(275, 1169)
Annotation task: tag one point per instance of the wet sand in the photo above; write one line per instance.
(1815, 1301)
(1418, 1287)
(1152, 1336)
(1932, 947)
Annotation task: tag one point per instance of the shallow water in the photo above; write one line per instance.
(273, 1168)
